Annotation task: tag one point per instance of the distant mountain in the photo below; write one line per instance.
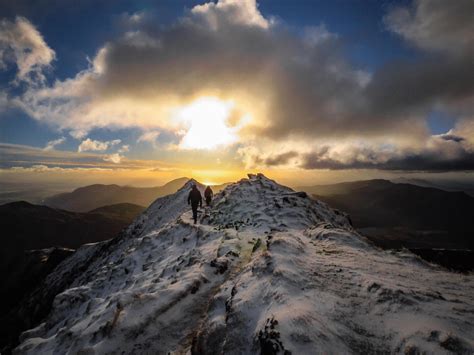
(30, 192)
(90, 197)
(345, 187)
(396, 214)
(447, 185)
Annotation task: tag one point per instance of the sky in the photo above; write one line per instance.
(308, 92)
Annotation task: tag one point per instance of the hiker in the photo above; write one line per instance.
(208, 195)
(195, 199)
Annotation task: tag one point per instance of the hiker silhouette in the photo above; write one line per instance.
(194, 199)
(208, 193)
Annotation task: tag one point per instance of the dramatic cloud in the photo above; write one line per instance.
(444, 152)
(295, 95)
(93, 145)
(52, 144)
(286, 82)
(22, 44)
(290, 84)
(451, 151)
(439, 155)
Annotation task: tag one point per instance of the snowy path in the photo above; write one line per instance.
(264, 271)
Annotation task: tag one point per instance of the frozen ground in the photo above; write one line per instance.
(267, 271)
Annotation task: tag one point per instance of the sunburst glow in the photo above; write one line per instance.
(206, 119)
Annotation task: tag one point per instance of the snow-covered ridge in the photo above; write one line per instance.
(266, 270)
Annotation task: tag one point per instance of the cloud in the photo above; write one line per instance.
(451, 151)
(435, 158)
(451, 137)
(291, 85)
(115, 158)
(431, 159)
(149, 137)
(298, 88)
(443, 75)
(220, 15)
(22, 44)
(52, 144)
(4, 101)
(12, 155)
(94, 145)
(40, 168)
(21, 155)
(416, 87)
(125, 148)
(435, 24)
(444, 152)
(280, 159)
(284, 81)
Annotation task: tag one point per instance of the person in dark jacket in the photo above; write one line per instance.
(194, 199)
(208, 193)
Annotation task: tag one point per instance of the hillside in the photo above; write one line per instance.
(396, 214)
(266, 270)
(26, 226)
(37, 238)
(125, 211)
(447, 185)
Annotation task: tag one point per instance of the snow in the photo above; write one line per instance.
(266, 270)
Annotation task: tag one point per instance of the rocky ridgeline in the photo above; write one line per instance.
(267, 270)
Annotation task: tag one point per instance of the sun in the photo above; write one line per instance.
(206, 121)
